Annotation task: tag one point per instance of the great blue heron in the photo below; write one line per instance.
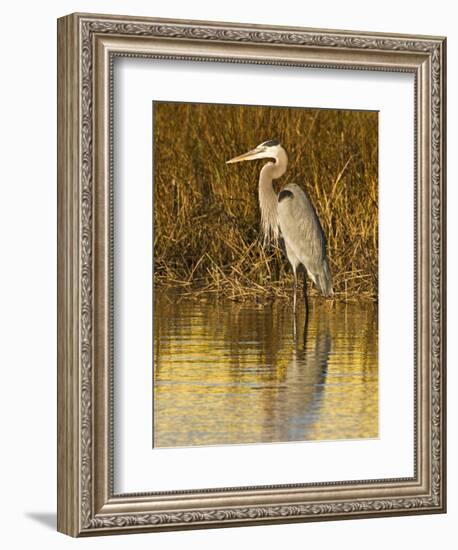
(291, 216)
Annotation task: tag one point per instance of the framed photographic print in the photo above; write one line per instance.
(251, 274)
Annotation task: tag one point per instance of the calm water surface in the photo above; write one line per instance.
(228, 373)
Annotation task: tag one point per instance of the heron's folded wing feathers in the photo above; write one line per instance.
(301, 229)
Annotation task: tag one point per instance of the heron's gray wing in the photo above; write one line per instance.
(303, 234)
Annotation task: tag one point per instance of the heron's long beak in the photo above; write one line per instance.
(250, 155)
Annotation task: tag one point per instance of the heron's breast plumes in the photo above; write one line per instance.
(268, 203)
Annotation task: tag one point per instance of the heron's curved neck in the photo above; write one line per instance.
(274, 170)
(268, 197)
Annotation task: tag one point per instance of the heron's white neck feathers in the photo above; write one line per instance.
(268, 200)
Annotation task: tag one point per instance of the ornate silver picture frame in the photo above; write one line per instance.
(87, 47)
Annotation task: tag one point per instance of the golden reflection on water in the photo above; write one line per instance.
(227, 373)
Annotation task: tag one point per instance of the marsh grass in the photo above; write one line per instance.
(206, 215)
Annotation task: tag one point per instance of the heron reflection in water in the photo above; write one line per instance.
(310, 360)
(290, 216)
(298, 407)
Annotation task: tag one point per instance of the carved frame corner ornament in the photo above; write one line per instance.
(87, 45)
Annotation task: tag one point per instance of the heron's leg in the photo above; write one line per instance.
(306, 300)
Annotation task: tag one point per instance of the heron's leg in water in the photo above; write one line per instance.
(306, 329)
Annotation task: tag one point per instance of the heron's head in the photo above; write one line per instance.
(266, 150)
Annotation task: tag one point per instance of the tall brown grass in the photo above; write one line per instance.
(206, 215)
